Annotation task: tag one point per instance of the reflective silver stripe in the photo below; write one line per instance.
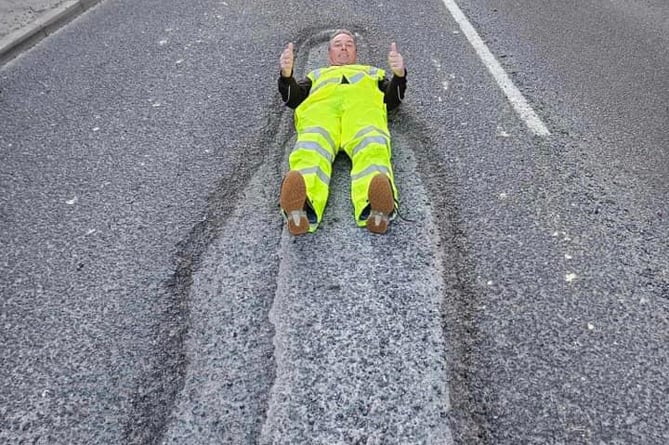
(325, 82)
(316, 74)
(314, 146)
(373, 71)
(369, 170)
(369, 140)
(369, 129)
(320, 173)
(357, 78)
(323, 132)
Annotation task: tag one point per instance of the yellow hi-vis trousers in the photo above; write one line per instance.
(342, 116)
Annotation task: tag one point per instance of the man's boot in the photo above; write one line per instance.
(382, 203)
(292, 200)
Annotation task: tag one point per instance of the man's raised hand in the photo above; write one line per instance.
(396, 61)
(286, 61)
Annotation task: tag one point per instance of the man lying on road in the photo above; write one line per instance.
(342, 107)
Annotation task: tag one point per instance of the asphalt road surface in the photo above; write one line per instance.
(150, 293)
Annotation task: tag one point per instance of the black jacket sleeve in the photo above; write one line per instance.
(292, 91)
(393, 90)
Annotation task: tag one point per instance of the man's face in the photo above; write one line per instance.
(342, 50)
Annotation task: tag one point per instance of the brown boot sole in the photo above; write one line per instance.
(292, 200)
(380, 195)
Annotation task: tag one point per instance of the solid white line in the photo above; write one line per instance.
(514, 95)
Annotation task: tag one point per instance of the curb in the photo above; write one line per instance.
(22, 39)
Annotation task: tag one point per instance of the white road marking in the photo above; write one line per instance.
(514, 95)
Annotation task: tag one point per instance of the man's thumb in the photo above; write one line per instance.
(393, 47)
(290, 46)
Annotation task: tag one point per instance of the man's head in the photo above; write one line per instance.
(342, 49)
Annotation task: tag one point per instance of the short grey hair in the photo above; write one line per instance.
(342, 31)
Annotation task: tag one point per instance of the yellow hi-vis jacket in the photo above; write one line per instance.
(344, 111)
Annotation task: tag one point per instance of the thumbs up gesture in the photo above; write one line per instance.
(286, 61)
(396, 61)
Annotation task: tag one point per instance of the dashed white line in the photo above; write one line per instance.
(514, 95)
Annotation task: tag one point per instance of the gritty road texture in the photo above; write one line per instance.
(150, 293)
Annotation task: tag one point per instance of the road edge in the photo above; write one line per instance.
(26, 37)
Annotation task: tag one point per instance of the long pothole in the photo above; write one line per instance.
(334, 336)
